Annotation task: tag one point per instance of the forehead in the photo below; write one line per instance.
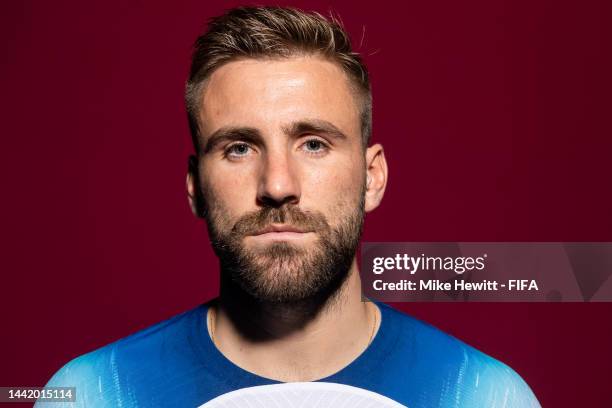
(271, 93)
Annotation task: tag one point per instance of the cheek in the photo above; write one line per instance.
(334, 189)
(227, 191)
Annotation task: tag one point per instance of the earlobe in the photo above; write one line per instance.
(190, 196)
(191, 187)
(376, 179)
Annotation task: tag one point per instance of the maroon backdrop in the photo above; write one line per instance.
(496, 121)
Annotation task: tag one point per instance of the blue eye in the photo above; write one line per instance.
(314, 146)
(238, 149)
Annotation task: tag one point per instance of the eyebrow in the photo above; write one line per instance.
(317, 126)
(230, 134)
(253, 135)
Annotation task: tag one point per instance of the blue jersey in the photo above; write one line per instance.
(175, 363)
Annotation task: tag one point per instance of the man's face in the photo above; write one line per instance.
(282, 174)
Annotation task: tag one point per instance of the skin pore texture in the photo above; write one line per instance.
(283, 180)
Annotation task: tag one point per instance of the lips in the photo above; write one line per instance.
(279, 228)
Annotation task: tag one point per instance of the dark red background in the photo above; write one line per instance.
(496, 121)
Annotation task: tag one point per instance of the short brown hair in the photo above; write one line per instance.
(273, 32)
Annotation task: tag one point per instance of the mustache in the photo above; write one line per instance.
(252, 222)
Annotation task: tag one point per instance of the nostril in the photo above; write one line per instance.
(269, 201)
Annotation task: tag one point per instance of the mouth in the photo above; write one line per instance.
(280, 232)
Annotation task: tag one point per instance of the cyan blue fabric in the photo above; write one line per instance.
(175, 364)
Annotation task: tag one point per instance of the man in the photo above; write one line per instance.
(280, 113)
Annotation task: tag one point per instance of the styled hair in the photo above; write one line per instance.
(274, 32)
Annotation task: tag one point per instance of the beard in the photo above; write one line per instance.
(282, 272)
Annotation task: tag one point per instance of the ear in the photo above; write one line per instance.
(192, 185)
(376, 176)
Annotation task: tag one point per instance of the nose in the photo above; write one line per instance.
(278, 181)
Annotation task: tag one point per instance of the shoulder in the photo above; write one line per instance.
(99, 376)
(457, 370)
(83, 373)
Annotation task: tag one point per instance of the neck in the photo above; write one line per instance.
(296, 341)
